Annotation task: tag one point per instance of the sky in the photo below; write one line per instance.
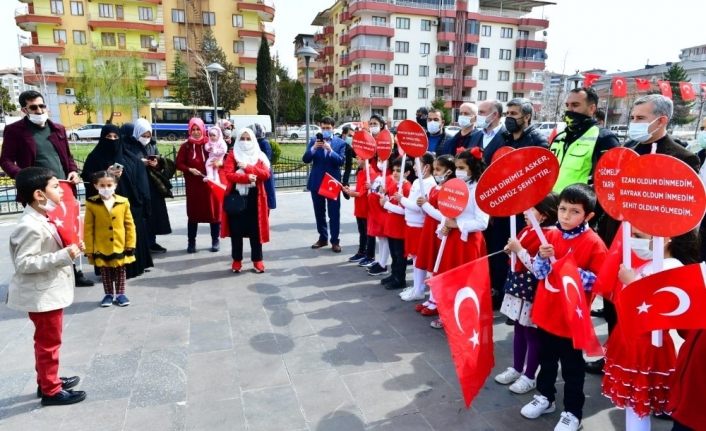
(615, 35)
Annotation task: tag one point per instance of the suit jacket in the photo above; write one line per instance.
(43, 278)
(667, 146)
(323, 162)
(495, 143)
(19, 150)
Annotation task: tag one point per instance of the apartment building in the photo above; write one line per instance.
(315, 79)
(390, 57)
(11, 79)
(63, 31)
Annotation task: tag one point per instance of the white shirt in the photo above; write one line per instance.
(489, 135)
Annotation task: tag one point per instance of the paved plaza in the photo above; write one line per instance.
(313, 344)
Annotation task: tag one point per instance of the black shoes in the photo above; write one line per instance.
(66, 383)
(64, 398)
(215, 246)
(82, 281)
(156, 248)
(595, 367)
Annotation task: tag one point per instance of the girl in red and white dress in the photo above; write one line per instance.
(444, 170)
(395, 224)
(360, 211)
(376, 220)
(414, 221)
(638, 375)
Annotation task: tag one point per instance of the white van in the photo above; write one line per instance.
(242, 121)
(545, 128)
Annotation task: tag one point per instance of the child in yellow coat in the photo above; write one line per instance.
(109, 234)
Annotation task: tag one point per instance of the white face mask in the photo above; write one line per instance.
(227, 133)
(106, 192)
(464, 121)
(375, 130)
(433, 127)
(39, 119)
(641, 247)
(461, 175)
(640, 131)
(381, 165)
(482, 121)
(701, 139)
(48, 206)
(144, 141)
(439, 178)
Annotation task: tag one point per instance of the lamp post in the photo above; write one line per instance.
(307, 53)
(214, 69)
(576, 79)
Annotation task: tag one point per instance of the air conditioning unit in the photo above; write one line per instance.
(435, 22)
(69, 91)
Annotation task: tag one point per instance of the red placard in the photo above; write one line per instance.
(517, 181)
(661, 195)
(384, 144)
(606, 178)
(363, 144)
(500, 152)
(412, 138)
(453, 198)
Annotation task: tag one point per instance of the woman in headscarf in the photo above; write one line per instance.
(159, 171)
(202, 206)
(266, 148)
(247, 168)
(132, 184)
(227, 128)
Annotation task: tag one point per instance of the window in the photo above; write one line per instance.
(472, 26)
(179, 43)
(522, 34)
(447, 25)
(377, 91)
(146, 41)
(178, 15)
(423, 93)
(121, 40)
(378, 68)
(485, 53)
(80, 66)
(503, 75)
(399, 114)
(401, 92)
(145, 13)
(150, 69)
(209, 18)
(401, 46)
(56, 7)
(505, 54)
(379, 20)
(501, 96)
(518, 95)
(483, 74)
(119, 12)
(77, 9)
(79, 37)
(60, 36)
(240, 71)
(401, 69)
(426, 25)
(402, 23)
(62, 65)
(520, 76)
(482, 95)
(105, 10)
(238, 46)
(423, 70)
(238, 21)
(424, 48)
(485, 30)
(506, 32)
(380, 112)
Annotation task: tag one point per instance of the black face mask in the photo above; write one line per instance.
(422, 121)
(511, 125)
(574, 120)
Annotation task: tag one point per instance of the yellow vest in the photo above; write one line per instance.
(575, 162)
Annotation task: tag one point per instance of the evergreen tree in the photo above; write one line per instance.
(230, 95)
(320, 108)
(682, 109)
(179, 86)
(6, 105)
(266, 82)
(438, 103)
(293, 102)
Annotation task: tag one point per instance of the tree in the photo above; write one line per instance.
(438, 103)
(84, 97)
(682, 109)
(319, 108)
(179, 85)
(292, 101)
(266, 81)
(6, 105)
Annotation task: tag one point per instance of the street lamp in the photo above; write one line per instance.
(307, 53)
(576, 79)
(214, 69)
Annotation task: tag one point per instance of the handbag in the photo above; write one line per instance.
(234, 203)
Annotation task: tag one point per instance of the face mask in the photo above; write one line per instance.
(464, 121)
(640, 131)
(380, 166)
(106, 192)
(433, 127)
(439, 178)
(326, 133)
(574, 119)
(375, 130)
(641, 247)
(461, 175)
(422, 121)
(49, 206)
(144, 141)
(349, 140)
(227, 133)
(701, 139)
(39, 119)
(482, 121)
(511, 125)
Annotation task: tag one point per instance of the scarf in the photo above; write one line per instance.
(248, 152)
(218, 148)
(572, 233)
(198, 142)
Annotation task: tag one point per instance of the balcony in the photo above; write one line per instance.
(344, 39)
(472, 38)
(35, 50)
(528, 64)
(28, 18)
(371, 53)
(344, 17)
(470, 59)
(344, 83)
(48, 77)
(318, 37)
(444, 80)
(248, 84)
(129, 22)
(369, 28)
(318, 73)
(533, 23)
(344, 60)
(444, 58)
(248, 57)
(328, 50)
(367, 78)
(375, 100)
(528, 43)
(527, 86)
(324, 89)
(327, 70)
(159, 54)
(469, 82)
(257, 34)
(445, 36)
(389, 6)
(328, 30)
(265, 9)
(156, 81)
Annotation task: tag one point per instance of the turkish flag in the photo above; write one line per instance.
(217, 189)
(642, 84)
(687, 91)
(561, 307)
(590, 78)
(463, 299)
(330, 187)
(607, 282)
(671, 299)
(619, 87)
(67, 216)
(665, 88)
(552, 135)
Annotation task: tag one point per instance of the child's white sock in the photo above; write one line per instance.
(384, 248)
(432, 303)
(419, 275)
(633, 422)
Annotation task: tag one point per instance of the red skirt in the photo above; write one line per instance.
(428, 245)
(412, 239)
(457, 252)
(394, 226)
(376, 216)
(638, 374)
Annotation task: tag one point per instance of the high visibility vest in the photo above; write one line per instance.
(575, 162)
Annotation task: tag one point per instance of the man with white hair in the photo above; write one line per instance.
(467, 113)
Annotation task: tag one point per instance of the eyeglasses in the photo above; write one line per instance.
(35, 107)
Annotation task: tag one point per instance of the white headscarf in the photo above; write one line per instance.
(249, 152)
(141, 126)
(220, 144)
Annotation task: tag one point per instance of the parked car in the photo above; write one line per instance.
(620, 130)
(89, 131)
(352, 124)
(452, 130)
(545, 128)
(300, 132)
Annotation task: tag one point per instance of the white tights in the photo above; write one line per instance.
(383, 251)
(633, 422)
(419, 275)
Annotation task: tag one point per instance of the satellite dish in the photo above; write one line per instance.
(154, 44)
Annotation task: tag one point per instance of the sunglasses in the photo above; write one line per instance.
(35, 107)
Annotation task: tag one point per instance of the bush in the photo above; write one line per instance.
(276, 151)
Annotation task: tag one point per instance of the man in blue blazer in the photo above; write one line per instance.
(326, 155)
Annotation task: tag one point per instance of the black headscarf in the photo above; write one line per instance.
(103, 155)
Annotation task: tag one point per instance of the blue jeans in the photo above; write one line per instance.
(334, 215)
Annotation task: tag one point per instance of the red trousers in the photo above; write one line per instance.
(47, 340)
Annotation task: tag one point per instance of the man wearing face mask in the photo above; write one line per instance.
(347, 137)
(519, 132)
(326, 156)
(492, 130)
(435, 130)
(37, 141)
(467, 113)
(582, 143)
(422, 116)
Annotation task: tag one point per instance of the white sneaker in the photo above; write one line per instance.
(568, 422)
(523, 385)
(405, 291)
(410, 296)
(508, 376)
(539, 406)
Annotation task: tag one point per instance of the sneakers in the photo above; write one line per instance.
(122, 301)
(539, 406)
(259, 267)
(366, 261)
(522, 385)
(409, 295)
(377, 269)
(356, 257)
(405, 291)
(568, 422)
(437, 324)
(508, 376)
(236, 266)
(107, 301)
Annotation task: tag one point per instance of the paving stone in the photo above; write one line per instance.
(272, 409)
(260, 365)
(111, 376)
(164, 417)
(378, 396)
(321, 393)
(208, 336)
(91, 415)
(212, 376)
(161, 378)
(217, 415)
